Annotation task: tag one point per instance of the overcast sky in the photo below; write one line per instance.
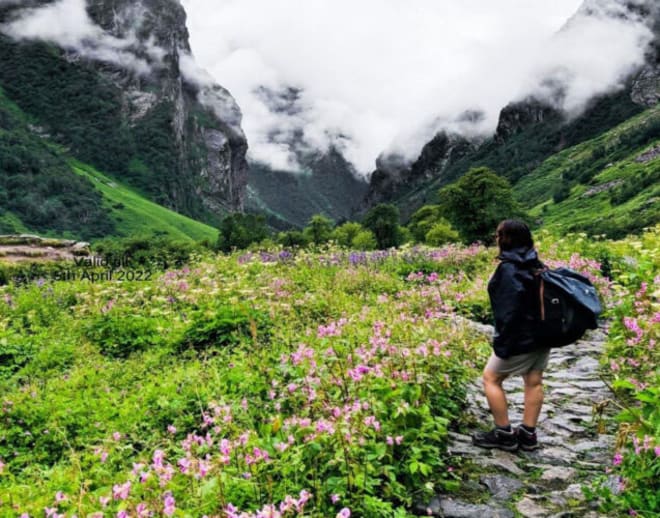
(375, 75)
(388, 73)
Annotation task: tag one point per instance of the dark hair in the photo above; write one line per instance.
(514, 233)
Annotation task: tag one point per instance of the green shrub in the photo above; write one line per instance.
(223, 326)
(117, 334)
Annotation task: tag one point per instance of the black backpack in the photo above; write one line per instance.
(568, 306)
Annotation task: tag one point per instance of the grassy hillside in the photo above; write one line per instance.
(608, 185)
(44, 190)
(134, 214)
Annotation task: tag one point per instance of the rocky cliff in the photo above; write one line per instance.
(121, 90)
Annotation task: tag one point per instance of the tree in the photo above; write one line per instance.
(318, 229)
(344, 234)
(240, 230)
(364, 240)
(429, 218)
(292, 238)
(477, 202)
(383, 221)
(441, 233)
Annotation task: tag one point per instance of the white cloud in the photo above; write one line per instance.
(387, 74)
(67, 24)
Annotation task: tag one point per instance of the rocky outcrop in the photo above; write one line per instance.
(198, 165)
(394, 174)
(645, 89)
(518, 116)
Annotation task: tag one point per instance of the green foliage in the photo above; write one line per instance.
(441, 233)
(383, 221)
(153, 251)
(240, 230)
(345, 234)
(364, 240)
(118, 333)
(477, 202)
(318, 229)
(292, 238)
(223, 326)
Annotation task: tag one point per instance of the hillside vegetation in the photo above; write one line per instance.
(44, 190)
(616, 175)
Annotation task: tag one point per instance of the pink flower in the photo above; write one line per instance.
(122, 514)
(116, 436)
(171, 429)
(618, 458)
(60, 497)
(121, 491)
(169, 504)
(142, 511)
(103, 500)
(344, 513)
(334, 498)
(657, 451)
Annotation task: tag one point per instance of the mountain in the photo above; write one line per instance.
(114, 85)
(321, 181)
(529, 130)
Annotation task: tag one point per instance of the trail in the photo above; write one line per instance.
(546, 482)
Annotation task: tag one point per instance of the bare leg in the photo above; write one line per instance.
(496, 397)
(533, 397)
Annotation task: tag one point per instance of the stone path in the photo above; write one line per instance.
(546, 482)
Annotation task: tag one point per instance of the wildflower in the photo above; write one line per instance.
(116, 436)
(334, 498)
(121, 491)
(60, 497)
(122, 514)
(142, 510)
(344, 513)
(104, 500)
(2, 466)
(169, 504)
(618, 458)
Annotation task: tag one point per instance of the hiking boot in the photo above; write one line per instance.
(496, 438)
(527, 440)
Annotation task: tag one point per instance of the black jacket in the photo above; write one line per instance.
(514, 300)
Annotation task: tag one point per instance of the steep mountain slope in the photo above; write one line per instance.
(42, 189)
(327, 185)
(322, 180)
(609, 185)
(122, 92)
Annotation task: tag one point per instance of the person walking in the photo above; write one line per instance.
(514, 301)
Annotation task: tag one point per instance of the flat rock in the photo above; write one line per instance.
(554, 455)
(558, 474)
(530, 509)
(501, 486)
(503, 460)
(457, 509)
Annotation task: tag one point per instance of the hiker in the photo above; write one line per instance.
(513, 300)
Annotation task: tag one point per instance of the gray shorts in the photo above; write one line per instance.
(519, 364)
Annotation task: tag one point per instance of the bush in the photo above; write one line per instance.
(223, 326)
(441, 233)
(121, 333)
(364, 240)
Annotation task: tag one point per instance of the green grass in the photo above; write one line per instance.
(599, 162)
(134, 214)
